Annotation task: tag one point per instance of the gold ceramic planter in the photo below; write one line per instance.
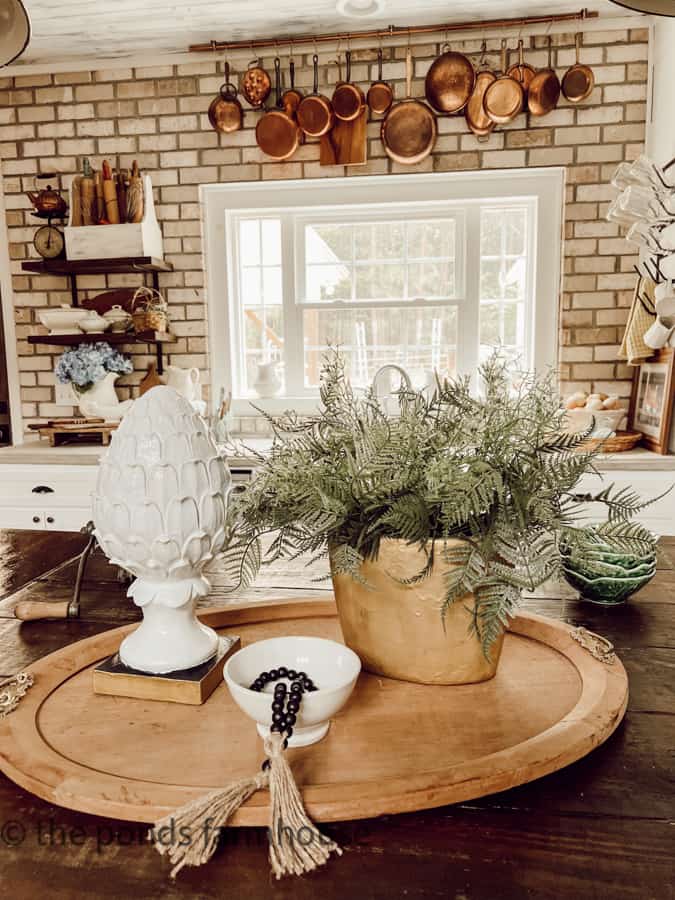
(396, 629)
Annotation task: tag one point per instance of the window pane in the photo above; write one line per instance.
(328, 243)
(379, 260)
(271, 242)
(250, 287)
(431, 279)
(431, 239)
(379, 240)
(328, 282)
(380, 282)
(272, 289)
(420, 340)
(249, 242)
(503, 280)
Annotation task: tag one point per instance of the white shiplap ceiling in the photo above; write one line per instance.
(85, 29)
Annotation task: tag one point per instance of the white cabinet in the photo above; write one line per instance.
(43, 496)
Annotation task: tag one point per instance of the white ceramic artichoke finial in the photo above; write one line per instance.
(159, 512)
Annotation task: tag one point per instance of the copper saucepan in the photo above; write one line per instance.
(476, 118)
(277, 133)
(225, 112)
(348, 99)
(409, 129)
(315, 114)
(578, 80)
(380, 95)
(449, 81)
(291, 97)
(544, 90)
(522, 71)
(503, 99)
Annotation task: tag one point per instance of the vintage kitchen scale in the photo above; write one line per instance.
(395, 747)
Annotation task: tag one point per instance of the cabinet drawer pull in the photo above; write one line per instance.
(50, 520)
(36, 519)
(42, 489)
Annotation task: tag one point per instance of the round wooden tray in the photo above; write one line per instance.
(395, 747)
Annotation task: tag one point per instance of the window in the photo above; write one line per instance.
(430, 272)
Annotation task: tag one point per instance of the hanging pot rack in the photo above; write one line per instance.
(393, 31)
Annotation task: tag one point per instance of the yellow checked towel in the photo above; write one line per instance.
(633, 348)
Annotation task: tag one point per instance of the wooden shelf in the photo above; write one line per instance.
(123, 265)
(114, 337)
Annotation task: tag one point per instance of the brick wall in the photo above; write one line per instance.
(158, 116)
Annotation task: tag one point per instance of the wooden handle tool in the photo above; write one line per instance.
(112, 210)
(34, 610)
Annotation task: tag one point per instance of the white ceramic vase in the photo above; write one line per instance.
(101, 400)
(267, 382)
(159, 512)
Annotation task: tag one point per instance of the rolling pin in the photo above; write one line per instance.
(112, 210)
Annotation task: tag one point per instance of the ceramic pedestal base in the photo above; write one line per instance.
(301, 737)
(170, 638)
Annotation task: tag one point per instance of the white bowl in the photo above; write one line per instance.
(62, 320)
(332, 667)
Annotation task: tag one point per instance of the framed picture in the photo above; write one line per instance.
(651, 402)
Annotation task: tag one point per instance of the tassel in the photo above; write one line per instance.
(189, 836)
(296, 844)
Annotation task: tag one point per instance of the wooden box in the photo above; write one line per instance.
(117, 241)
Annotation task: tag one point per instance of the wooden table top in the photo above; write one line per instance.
(601, 828)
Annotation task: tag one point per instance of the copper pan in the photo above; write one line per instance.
(225, 112)
(348, 99)
(380, 95)
(503, 99)
(256, 84)
(277, 133)
(449, 81)
(476, 118)
(291, 97)
(522, 71)
(315, 114)
(544, 90)
(578, 80)
(409, 130)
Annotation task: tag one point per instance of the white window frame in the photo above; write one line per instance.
(540, 188)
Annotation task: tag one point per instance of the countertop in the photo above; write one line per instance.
(36, 452)
(599, 828)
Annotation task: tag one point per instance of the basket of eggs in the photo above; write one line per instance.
(603, 414)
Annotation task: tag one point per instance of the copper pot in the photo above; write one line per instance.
(315, 113)
(380, 94)
(291, 97)
(449, 82)
(348, 99)
(544, 90)
(277, 133)
(256, 85)
(503, 99)
(578, 80)
(409, 129)
(522, 71)
(225, 112)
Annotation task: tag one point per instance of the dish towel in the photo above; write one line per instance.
(633, 348)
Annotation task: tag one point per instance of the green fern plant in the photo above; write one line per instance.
(494, 470)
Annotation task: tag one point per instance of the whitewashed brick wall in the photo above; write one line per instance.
(158, 116)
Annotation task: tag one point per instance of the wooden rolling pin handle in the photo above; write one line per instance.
(32, 610)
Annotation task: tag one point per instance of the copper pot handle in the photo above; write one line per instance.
(315, 62)
(348, 59)
(277, 82)
(408, 73)
(379, 64)
(577, 45)
(504, 64)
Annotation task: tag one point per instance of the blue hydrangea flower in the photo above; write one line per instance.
(87, 364)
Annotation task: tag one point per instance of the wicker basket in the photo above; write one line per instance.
(149, 311)
(622, 440)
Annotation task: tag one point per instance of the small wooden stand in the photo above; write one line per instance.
(75, 431)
